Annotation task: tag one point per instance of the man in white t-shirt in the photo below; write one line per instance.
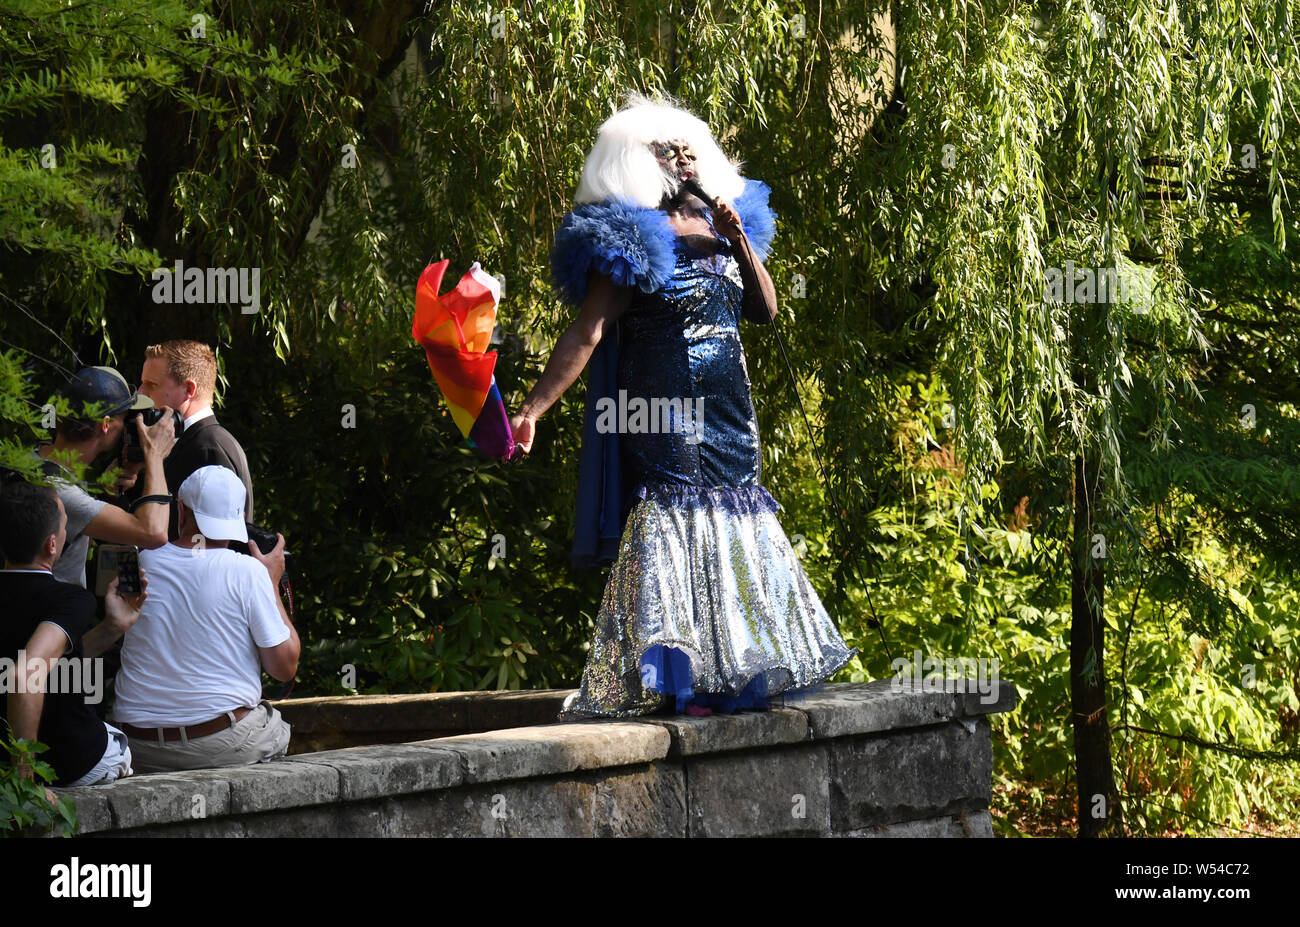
(189, 694)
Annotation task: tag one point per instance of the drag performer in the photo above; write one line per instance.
(707, 606)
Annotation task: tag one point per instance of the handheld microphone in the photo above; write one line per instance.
(692, 186)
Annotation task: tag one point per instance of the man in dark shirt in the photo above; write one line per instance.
(183, 375)
(45, 636)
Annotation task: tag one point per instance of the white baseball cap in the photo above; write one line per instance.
(216, 497)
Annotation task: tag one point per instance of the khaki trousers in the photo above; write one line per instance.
(260, 735)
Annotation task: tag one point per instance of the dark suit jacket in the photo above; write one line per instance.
(200, 445)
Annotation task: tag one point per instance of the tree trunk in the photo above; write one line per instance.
(1099, 807)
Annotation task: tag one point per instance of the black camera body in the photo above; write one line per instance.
(132, 451)
(265, 541)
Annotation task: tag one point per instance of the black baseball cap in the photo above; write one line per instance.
(105, 387)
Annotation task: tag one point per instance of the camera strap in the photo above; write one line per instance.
(159, 498)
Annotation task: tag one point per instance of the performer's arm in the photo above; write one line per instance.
(759, 303)
(604, 303)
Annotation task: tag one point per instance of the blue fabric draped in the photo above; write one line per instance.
(633, 246)
(668, 670)
(600, 516)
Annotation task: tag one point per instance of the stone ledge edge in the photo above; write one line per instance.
(360, 773)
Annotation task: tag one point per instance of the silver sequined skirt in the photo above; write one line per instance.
(710, 573)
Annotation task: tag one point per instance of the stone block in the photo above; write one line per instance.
(359, 720)
(865, 708)
(967, 824)
(518, 808)
(552, 749)
(643, 801)
(975, 703)
(387, 770)
(91, 802)
(163, 798)
(380, 817)
(220, 828)
(720, 732)
(910, 775)
(495, 711)
(305, 821)
(280, 784)
(778, 792)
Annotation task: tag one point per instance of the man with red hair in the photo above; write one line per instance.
(183, 375)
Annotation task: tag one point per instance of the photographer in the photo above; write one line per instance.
(183, 375)
(88, 438)
(189, 695)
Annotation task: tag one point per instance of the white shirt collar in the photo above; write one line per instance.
(198, 417)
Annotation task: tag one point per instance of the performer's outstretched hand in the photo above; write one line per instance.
(522, 426)
(726, 222)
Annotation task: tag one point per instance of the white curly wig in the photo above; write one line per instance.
(622, 165)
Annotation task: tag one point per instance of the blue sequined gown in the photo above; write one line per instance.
(707, 603)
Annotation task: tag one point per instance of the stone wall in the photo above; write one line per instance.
(857, 760)
(359, 720)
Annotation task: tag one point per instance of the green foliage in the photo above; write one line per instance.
(23, 423)
(993, 586)
(20, 416)
(412, 556)
(25, 809)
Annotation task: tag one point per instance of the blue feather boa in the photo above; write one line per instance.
(635, 246)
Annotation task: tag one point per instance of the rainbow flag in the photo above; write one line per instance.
(454, 329)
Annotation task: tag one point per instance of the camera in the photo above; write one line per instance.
(132, 451)
(265, 541)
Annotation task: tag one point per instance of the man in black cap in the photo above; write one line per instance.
(101, 399)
